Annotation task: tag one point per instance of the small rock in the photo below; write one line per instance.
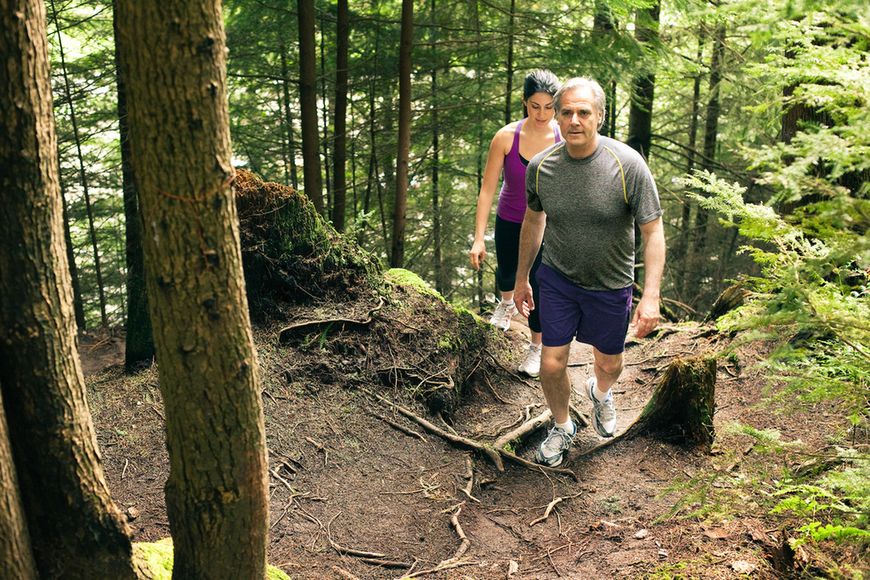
(663, 554)
(641, 534)
(513, 567)
(743, 567)
(131, 513)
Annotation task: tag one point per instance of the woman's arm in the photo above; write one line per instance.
(491, 174)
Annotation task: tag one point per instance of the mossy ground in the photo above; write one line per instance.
(158, 557)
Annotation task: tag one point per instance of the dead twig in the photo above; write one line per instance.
(469, 475)
(549, 509)
(320, 448)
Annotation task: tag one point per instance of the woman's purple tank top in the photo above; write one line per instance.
(512, 198)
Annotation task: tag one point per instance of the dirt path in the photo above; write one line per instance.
(345, 481)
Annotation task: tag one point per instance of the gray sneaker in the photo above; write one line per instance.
(552, 450)
(603, 412)
(501, 318)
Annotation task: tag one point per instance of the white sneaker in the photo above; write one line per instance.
(501, 318)
(532, 365)
(603, 412)
(552, 450)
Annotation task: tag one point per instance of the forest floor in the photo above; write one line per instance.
(354, 497)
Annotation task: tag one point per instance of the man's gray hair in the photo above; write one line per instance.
(582, 82)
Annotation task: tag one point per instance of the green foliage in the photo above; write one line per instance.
(836, 506)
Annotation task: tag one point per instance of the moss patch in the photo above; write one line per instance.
(157, 556)
(402, 277)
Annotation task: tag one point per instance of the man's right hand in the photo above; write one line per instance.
(523, 297)
(478, 254)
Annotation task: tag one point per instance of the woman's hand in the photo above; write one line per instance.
(478, 254)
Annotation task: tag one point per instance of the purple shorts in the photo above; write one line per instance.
(596, 317)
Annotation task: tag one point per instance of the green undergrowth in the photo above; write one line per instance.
(157, 556)
(402, 277)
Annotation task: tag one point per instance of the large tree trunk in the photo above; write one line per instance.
(76, 531)
(139, 340)
(174, 60)
(83, 176)
(339, 148)
(397, 256)
(16, 553)
(311, 179)
(324, 118)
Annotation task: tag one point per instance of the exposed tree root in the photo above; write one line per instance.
(550, 507)
(398, 426)
(287, 333)
(374, 558)
(469, 476)
(456, 560)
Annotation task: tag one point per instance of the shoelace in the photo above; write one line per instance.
(556, 433)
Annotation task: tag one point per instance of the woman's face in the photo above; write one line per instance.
(540, 107)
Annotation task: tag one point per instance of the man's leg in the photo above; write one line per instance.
(554, 380)
(608, 367)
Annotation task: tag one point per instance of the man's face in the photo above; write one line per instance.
(578, 121)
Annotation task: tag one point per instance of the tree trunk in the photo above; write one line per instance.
(711, 130)
(139, 340)
(16, 553)
(509, 64)
(174, 61)
(397, 256)
(339, 147)
(603, 26)
(325, 119)
(92, 232)
(643, 85)
(478, 279)
(682, 242)
(288, 117)
(311, 178)
(78, 303)
(75, 529)
(440, 284)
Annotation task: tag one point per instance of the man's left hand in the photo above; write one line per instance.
(646, 316)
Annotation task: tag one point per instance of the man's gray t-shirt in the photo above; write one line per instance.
(591, 206)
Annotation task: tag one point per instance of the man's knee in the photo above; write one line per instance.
(553, 363)
(610, 364)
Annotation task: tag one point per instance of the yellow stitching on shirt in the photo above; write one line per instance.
(538, 170)
(621, 172)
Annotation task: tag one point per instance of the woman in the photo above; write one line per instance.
(509, 153)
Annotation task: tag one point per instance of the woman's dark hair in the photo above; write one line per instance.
(540, 81)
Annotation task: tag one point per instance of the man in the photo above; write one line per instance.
(584, 196)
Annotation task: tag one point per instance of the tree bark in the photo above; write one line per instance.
(311, 178)
(339, 151)
(139, 339)
(324, 117)
(75, 529)
(16, 553)
(83, 177)
(174, 60)
(397, 256)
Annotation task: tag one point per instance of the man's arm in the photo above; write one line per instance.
(646, 316)
(531, 235)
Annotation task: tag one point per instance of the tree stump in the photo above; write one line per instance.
(682, 405)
